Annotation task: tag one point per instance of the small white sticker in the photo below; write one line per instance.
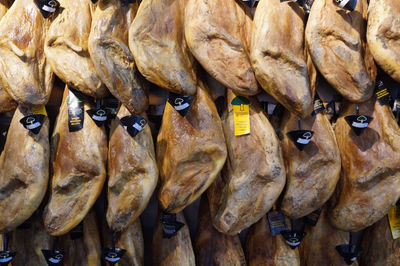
(359, 125)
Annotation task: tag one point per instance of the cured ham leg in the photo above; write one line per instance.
(264, 249)
(79, 171)
(174, 251)
(6, 101)
(24, 171)
(85, 250)
(312, 174)
(319, 245)
(191, 151)
(218, 34)
(379, 247)
(336, 41)
(29, 242)
(132, 173)
(157, 42)
(254, 175)
(370, 181)
(383, 35)
(109, 51)
(131, 240)
(24, 70)
(213, 247)
(67, 47)
(278, 55)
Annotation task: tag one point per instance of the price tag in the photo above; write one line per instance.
(241, 114)
(394, 221)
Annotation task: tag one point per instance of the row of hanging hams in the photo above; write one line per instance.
(295, 57)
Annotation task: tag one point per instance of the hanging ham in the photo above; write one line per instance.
(383, 35)
(174, 251)
(336, 41)
(24, 171)
(67, 47)
(79, 170)
(218, 34)
(109, 51)
(279, 57)
(6, 101)
(132, 173)
(24, 70)
(157, 42)
(213, 247)
(254, 175)
(312, 174)
(191, 151)
(370, 181)
(262, 248)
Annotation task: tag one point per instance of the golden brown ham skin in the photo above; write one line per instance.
(66, 47)
(79, 171)
(336, 41)
(383, 35)
(213, 247)
(191, 151)
(319, 245)
(29, 242)
(279, 57)
(312, 174)
(174, 251)
(7, 103)
(254, 174)
(24, 171)
(379, 247)
(109, 51)
(218, 34)
(264, 249)
(84, 251)
(24, 69)
(157, 42)
(132, 173)
(370, 180)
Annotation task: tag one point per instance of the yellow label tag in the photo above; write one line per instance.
(394, 221)
(241, 114)
(40, 110)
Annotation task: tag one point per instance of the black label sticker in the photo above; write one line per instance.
(77, 232)
(382, 93)
(170, 225)
(318, 106)
(346, 4)
(293, 238)
(349, 252)
(313, 217)
(33, 123)
(181, 103)
(3, 134)
(111, 105)
(53, 257)
(358, 122)
(300, 138)
(277, 222)
(6, 257)
(113, 255)
(47, 7)
(75, 111)
(99, 116)
(133, 124)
